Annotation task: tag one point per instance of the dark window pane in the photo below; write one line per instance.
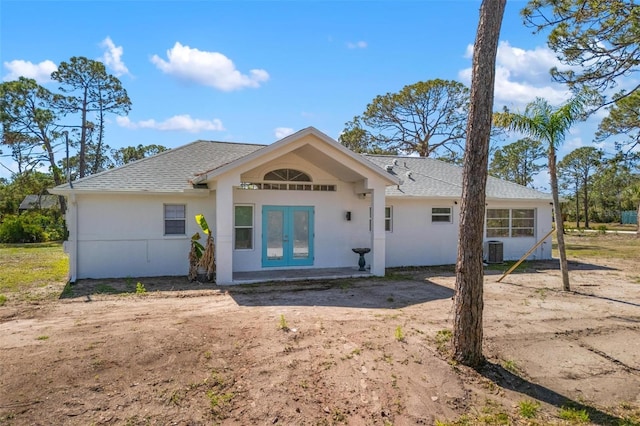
(522, 232)
(174, 227)
(244, 238)
(498, 232)
(441, 218)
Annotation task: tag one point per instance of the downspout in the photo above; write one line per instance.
(73, 252)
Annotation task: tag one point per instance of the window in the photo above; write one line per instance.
(175, 219)
(510, 222)
(497, 222)
(388, 219)
(288, 186)
(388, 216)
(441, 214)
(287, 175)
(522, 222)
(243, 227)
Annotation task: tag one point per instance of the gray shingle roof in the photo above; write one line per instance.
(169, 171)
(35, 201)
(172, 170)
(426, 177)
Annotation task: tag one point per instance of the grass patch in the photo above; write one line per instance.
(30, 266)
(399, 334)
(574, 415)
(443, 337)
(601, 246)
(595, 226)
(106, 289)
(396, 276)
(511, 366)
(528, 409)
(3, 299)
(282, 324)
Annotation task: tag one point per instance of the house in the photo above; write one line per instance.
(302, 203)
(40, 201)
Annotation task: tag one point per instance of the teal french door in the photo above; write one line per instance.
(287, 236)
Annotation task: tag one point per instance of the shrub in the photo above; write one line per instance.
(31, 227)
(17, 229)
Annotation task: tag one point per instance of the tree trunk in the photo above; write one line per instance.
(82, 161)
(585, 203)
(468, 301)
(577, 208)
(638, 221)
(557, 208)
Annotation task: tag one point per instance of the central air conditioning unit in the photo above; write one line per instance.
(494, 252)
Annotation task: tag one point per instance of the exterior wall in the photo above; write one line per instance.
(414, 240)
(123, 235)
(334, 235)
(514, 248)
(417, 241)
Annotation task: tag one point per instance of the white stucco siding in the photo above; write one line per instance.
(123, 235)
(515, 247)
(415, 240)
(334, 236)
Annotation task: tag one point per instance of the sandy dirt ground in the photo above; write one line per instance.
(359, 352)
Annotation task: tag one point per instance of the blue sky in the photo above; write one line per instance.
(255, 71)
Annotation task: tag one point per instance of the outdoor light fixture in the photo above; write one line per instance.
(348, 216)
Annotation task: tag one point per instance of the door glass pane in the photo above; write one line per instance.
(301, 234)
(275, 235)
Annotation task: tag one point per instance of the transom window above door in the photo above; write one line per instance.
(275, 180)
(287, 175)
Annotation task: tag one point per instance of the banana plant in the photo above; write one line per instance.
(202, 257)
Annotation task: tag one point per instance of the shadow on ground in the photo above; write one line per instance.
(91, 287)
(370, 294)
(508, 380)
(351, 293)
(538, 266)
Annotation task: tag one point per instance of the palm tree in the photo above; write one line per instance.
(542, 122)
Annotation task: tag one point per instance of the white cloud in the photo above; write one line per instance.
(40, 72)
(182, 122)
(522, 75)
(357, 45)
(112, 57)
(572, 143)
(283, 132)
(207, 68)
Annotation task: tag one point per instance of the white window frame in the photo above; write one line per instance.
(509, 231)
(532, 227)
(440, 214)
(252, 227)
(174, 219)
(388, 220)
